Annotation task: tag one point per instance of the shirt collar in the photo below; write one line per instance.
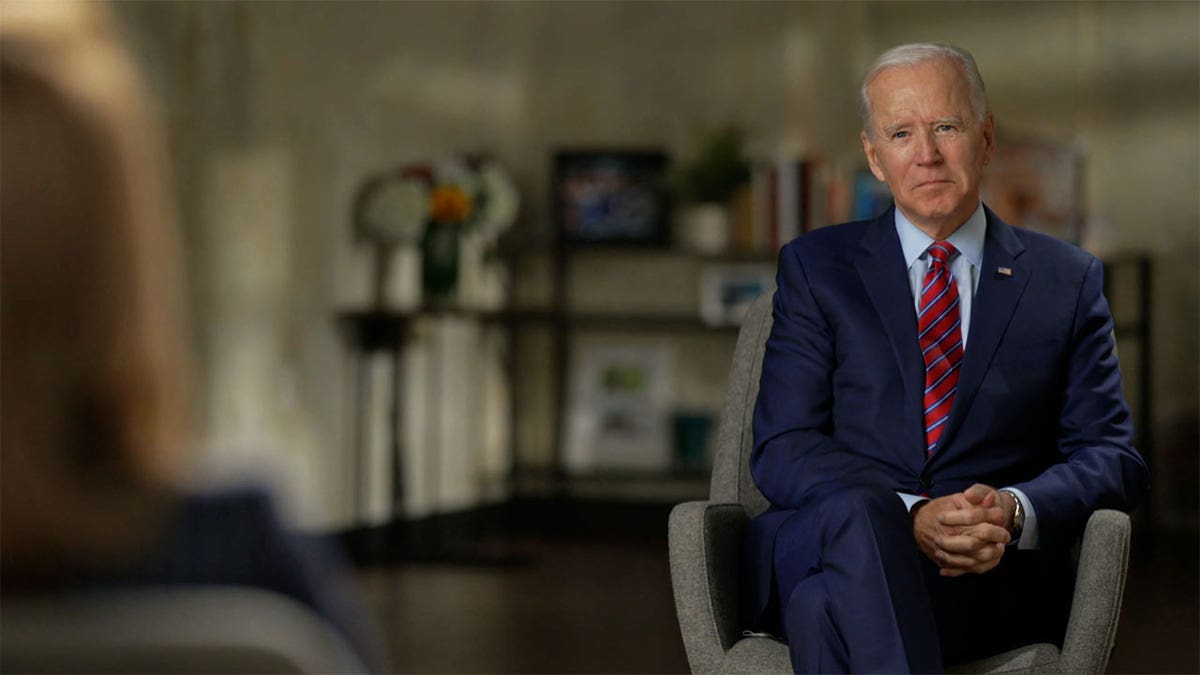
(968, 238)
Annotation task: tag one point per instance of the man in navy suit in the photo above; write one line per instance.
(940, 407)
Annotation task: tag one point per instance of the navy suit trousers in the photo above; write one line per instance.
(855, 594)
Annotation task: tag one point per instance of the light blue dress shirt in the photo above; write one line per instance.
(965, 266)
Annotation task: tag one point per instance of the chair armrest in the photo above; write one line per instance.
(1099, 587)
(705, 540)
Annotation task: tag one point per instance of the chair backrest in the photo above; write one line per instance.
(731, 481)
(211, 629)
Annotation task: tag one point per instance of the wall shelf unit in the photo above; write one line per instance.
(666, 313)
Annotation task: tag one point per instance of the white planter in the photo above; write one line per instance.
(703, 228)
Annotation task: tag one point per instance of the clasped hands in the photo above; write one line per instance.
(965, 532)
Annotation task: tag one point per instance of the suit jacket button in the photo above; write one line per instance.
(926, 481)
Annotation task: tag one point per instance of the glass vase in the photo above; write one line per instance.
(440, 262)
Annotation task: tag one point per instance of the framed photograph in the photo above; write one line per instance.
(611, 197)
(619, 412)
(1036, 184)
(727, 291)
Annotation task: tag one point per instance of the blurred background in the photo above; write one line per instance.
(495, 404)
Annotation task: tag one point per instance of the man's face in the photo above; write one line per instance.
(927, 144)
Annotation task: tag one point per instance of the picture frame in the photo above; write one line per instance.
(619, 409)
(611, 197)
(1036, 184)
(727, 291)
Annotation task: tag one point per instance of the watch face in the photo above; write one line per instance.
(1018, 517)
(393, 209)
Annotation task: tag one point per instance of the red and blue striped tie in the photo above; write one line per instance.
(938, 326)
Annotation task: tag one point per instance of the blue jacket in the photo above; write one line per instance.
(1039, 404)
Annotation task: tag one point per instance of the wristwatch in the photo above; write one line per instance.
(1018, 519)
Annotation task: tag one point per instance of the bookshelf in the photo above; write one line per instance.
(668, 314)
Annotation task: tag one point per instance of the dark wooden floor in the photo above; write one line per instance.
(1159, 630)
(593, 600)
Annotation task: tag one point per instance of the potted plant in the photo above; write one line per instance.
(705, 186)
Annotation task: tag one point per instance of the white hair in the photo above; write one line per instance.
(918, 53)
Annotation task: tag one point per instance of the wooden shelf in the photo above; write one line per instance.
(617, 321)
(663, 486)
(529, 248)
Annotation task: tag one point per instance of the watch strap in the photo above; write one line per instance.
(1018, 520)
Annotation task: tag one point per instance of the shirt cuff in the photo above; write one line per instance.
(1028, 540)
(911, 500)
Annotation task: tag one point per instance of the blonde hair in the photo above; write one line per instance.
(93, 374)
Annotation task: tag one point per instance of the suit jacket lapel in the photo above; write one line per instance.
(991, 311)
(881, 268)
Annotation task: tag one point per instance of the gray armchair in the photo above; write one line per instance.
(705, 549)
(211, 629)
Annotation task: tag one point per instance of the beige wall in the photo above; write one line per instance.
(278, 110)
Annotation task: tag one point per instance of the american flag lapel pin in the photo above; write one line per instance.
(1004, 271)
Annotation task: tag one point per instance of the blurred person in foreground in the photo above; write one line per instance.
(940, 407)
(94, 371)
